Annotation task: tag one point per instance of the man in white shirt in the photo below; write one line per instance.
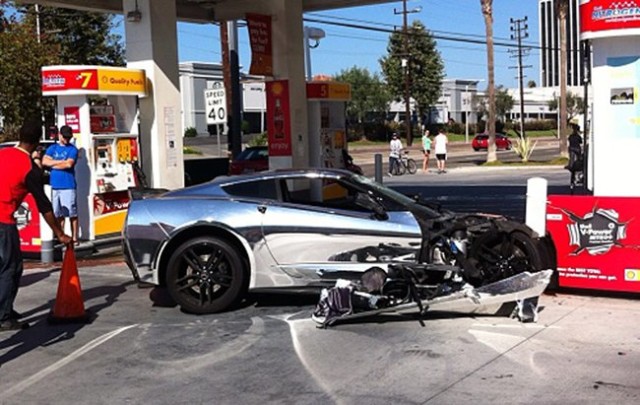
(441, 142)
(394, 155)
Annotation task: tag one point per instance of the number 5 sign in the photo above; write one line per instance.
(215, 102)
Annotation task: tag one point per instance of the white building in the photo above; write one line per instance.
(196, 77)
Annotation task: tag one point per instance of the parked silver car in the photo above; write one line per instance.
(302, 229)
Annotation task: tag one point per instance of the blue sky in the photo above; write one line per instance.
(346, 47)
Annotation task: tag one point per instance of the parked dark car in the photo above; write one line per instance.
(481, 142)
(252, 159)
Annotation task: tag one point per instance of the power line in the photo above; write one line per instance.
(509, 45)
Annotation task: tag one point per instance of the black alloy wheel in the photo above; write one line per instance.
(205, 275)
(499, 255)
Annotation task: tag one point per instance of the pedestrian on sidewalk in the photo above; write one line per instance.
(440, 147)
(426, 148)
(395, 147)
(20, 175)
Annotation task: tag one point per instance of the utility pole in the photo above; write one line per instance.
(406, 66)
(519, 29)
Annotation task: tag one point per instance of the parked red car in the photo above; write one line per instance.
(252, 159)
(481, 142)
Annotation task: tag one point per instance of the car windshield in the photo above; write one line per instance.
(395, 196)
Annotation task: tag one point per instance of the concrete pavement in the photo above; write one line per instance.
(141, 348)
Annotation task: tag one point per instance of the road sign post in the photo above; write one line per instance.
(215, 101)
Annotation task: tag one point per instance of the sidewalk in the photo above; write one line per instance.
(364, 154)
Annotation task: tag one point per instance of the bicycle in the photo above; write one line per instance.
(405, 164)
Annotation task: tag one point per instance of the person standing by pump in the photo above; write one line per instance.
(61, 159)
(21, 175)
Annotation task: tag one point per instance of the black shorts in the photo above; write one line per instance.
(441, 156)
(427, 152)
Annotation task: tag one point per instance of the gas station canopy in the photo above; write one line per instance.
(204, 10)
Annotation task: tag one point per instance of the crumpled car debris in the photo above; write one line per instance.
(419, 287)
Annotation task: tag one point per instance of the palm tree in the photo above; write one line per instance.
(487, 12)
(562, 8)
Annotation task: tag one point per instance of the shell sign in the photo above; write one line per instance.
(59, 80)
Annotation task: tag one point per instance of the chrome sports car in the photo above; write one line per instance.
(302, 229)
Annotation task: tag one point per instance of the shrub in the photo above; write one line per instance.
(190, 132)
(259, 140)
(245, 127)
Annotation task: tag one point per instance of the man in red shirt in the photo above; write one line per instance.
(20, 176)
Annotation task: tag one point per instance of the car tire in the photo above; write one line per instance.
(206, 275)
(498, 255)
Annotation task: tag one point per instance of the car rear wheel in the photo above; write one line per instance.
(205, 275)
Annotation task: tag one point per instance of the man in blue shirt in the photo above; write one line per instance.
(61, 158)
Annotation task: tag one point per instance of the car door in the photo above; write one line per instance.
(324, 230)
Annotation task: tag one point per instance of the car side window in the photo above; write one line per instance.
(262, 189)
(328, 193)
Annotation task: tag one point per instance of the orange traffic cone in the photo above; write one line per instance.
(69, 306)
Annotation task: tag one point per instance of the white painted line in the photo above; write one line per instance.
(63, 362)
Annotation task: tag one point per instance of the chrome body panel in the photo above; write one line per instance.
(287, 244)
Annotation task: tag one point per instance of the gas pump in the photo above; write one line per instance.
(597, 237)
(327, 118)
(100, 105)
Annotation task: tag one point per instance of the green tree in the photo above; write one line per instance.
(424, 67)
(368, 93)
(504, 103)
(84, 38)
(66, 37)
(575, 105)
(22, 57)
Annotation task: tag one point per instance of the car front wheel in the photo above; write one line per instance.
(499, 255)
(205, 275)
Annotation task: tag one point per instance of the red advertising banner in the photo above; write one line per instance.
(261, 44)
(601, 18)
(72, 118)
(597, 241)
(278, 118)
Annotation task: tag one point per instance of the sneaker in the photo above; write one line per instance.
(389, 174)
(12, 324)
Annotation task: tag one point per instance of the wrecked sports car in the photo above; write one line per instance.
(302, 230)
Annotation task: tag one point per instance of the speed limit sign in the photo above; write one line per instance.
(215, 102)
